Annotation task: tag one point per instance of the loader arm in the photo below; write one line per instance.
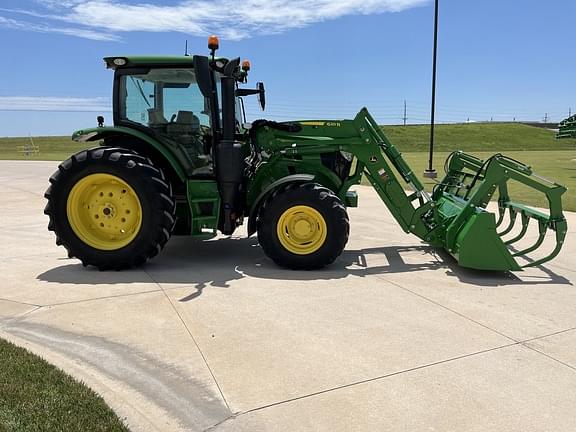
(376, 158)
(383, 166)
(455, 216)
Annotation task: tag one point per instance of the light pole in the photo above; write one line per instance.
(431, 172)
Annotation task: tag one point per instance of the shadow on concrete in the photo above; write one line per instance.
(216, 263)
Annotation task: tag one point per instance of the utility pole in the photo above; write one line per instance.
(431, 172)
(569, 112)
(546, 118)
(404, 118)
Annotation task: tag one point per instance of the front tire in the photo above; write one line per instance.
(110, 208)
(303, 227)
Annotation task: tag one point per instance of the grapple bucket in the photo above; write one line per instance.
(474, 234)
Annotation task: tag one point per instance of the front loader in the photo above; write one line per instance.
(180, 159)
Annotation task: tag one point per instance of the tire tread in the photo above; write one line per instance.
(162, 204)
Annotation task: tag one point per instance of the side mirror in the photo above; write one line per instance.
(259, 90)
(261, 95)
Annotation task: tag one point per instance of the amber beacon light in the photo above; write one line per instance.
(213, 43)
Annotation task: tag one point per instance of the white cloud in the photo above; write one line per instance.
(69, 31)
(54, 104)
(228, 18)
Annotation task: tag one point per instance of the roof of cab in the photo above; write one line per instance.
(135, 61)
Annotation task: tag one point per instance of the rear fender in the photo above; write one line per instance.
(95, 134)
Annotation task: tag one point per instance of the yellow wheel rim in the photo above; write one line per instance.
(301, 230)
(104, 211)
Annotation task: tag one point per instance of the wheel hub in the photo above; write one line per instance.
(109, 211)
(302, 228)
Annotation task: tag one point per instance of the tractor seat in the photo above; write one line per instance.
(156, 117)
(186, 123)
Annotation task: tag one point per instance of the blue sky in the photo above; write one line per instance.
(318, 58)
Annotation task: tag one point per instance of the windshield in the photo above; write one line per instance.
(161, 96)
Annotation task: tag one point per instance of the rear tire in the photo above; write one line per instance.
(110, 208)
(303, 226)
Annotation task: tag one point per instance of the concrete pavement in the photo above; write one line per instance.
(213, 336)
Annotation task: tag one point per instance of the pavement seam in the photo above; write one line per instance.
(381, 377)
(19, 302)
(111, 296)
(525, 342)
(448, 309)
(548, 335)
(102, 298)
(19, 317)
(550, 357)
(215, 426)
(520, 341)
(193, 340)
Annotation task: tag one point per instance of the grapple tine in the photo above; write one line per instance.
(542, 227)
(472, 233)
(513, 214)
(560, 227)
(525, 222)
(501, 214)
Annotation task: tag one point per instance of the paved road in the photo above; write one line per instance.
(213, 336)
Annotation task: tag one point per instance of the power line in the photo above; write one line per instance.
(404, 118)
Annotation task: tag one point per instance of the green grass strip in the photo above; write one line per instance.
(36, 396)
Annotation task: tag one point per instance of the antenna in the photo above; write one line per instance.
(186, 49)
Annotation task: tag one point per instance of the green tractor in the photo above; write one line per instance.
(567, 128)
(182, 160)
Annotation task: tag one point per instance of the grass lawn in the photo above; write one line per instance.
(35, 396)
(51, 148)
(554, 165)
(537, 147)
(489, 137)
(534, 146)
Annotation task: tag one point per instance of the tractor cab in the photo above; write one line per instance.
(162, 97)
(188, 109)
